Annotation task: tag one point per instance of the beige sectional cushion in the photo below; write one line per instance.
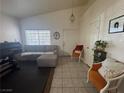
(111, 68)
(35, 53)
(47, 60)
(31, 53)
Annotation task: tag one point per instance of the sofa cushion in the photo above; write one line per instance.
(35, 53)
(30, 53)
(47, 60)
(40, 48)
(111, 68)
(26, 57)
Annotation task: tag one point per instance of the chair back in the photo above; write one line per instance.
(79, 47)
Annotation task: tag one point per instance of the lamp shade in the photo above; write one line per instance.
(72, 18)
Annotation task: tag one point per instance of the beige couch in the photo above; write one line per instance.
(33, 52)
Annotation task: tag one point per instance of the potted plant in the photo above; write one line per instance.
(99, 51)
(100, 45)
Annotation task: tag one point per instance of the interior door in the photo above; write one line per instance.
(70, 40)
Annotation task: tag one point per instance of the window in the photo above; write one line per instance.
(37, 37)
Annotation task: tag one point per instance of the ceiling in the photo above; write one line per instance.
(26, 8)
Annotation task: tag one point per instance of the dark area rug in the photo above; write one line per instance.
(28, 79)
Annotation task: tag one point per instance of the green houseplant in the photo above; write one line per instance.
(99, 51)
(100, 45)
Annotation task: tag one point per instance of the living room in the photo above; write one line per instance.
(62, 24)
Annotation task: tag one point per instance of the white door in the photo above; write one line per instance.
(70, 40)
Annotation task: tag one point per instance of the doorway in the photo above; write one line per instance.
(70, 40)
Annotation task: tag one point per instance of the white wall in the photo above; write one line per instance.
(0, 22)
(9, 29)
(96, 19)
(0, 29)
(55, 21)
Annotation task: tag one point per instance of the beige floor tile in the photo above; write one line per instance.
(66, 70)
(65, 62)
(80, 69)
(82, 74)
(74, 75)
(71, 66)
(57, 83)
(86, 68)
(67, 83)
(92, 90)
(58, 76)
(65, 66)
(69, 90)
(70, 77)
(73, 70)
(58, 70)
(56, 90)
(66, 75)
(77, 83)
(80, 90)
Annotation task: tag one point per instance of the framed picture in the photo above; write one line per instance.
(116, 25)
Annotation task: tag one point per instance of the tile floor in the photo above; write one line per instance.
(71, 77)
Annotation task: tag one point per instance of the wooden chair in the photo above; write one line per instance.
(77, 52)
